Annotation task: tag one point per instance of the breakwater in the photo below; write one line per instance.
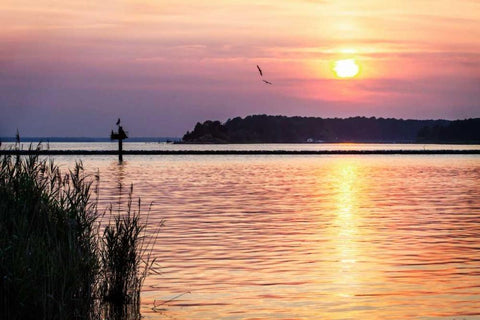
(235, 152)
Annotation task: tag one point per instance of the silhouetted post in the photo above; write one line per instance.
(120, 135)
(120, 150)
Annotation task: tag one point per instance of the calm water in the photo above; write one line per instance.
(270, 147)
(307, 237)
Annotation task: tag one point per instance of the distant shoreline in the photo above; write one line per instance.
(270, 129)
(88, 139)
(234, 152)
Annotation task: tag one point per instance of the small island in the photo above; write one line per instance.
(282, 129)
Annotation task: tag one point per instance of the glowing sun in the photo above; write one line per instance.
(347, 68)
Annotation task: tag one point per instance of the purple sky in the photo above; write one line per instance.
(71, 68)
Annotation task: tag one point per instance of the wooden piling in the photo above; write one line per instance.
(120, 136)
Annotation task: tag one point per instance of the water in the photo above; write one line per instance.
(162, 146)
(307, 237)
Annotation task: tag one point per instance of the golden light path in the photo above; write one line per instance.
(347, 222)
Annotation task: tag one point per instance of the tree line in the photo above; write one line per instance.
(282, 129)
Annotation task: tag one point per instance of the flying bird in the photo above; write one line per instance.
(118, 121)
(261, 74)
(260, 70)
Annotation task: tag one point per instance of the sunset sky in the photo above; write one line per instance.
(72, 67)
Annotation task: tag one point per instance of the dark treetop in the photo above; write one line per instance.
(282, 129)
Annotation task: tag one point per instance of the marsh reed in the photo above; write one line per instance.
(56, 260)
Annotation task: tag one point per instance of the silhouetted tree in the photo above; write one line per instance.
(275, 129)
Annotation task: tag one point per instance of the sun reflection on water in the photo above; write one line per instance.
(308, 237)
(346, 221)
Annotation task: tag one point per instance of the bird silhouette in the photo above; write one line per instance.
(118, 121)
(267, 82)
(260, 70)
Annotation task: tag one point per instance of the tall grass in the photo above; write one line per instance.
(55, 260)
(126, 261)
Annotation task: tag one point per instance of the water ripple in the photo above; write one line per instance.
(308, 237)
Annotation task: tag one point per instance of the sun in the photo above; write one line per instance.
(346, 68)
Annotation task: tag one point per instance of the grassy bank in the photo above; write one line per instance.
(56, 262)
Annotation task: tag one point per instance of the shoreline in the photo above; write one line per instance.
(235, 152)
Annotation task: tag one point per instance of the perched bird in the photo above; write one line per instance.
(260, 70)
(267, 82)
(118, 121)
